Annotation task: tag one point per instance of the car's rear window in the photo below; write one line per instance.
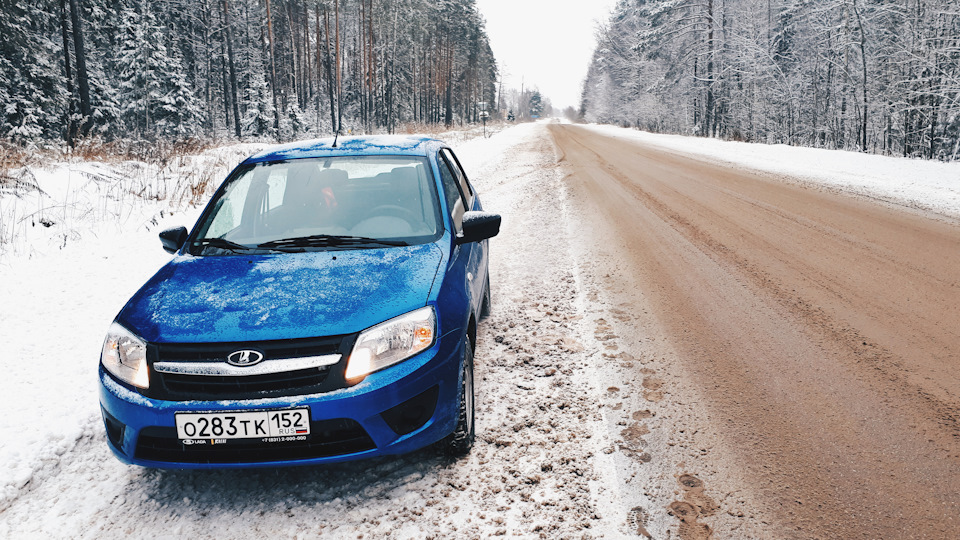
(389, 198)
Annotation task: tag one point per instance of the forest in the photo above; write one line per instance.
(275, 69)
(880, 76)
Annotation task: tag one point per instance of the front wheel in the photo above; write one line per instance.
(460, 441)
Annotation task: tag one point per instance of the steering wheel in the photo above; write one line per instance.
(393, 210)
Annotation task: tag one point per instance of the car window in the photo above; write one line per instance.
(465, 186)
(453, 193)
(380, 197)
(255, 194)
(229, 207)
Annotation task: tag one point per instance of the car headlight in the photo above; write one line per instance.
(392, 341)
(124, 355)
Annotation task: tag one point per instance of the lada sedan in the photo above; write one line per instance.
(323, 308)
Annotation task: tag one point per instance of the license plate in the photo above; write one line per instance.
(279, 425)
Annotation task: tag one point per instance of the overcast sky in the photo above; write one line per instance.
(544, 43)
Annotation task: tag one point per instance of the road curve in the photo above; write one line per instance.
(821, 330)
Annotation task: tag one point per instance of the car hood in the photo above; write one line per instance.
(280, 296)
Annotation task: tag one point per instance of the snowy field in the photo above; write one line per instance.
(83, 237)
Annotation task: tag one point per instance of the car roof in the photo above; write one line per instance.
(372, 145)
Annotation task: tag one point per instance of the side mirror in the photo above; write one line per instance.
(478, 226)
(173, 239)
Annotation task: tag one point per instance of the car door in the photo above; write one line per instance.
(474, 253)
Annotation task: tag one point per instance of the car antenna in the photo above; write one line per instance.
(335, 135)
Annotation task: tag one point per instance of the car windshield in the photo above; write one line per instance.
(345, 202)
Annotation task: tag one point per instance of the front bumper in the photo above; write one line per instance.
(397, 410)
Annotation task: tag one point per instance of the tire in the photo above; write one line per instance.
(460, 442)
(485, 303)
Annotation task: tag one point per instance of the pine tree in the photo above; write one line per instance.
(181, 68)
(32, 102)
(156, 97)
(536, 104)
(854, 74)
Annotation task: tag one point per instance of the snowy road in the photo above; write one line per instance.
(821, 332)
(650, 368)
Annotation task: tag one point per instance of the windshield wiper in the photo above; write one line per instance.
(221, 243)
(328, 240)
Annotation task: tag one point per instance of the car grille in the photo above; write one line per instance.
(328, 438)
(199, 386)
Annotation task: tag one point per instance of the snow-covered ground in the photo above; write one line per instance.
(78, 242)
(549, 456)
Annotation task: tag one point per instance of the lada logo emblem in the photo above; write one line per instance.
(244, 358)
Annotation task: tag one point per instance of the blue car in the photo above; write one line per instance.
(323, 308)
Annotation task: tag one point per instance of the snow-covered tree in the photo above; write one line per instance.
(32, 103)
(536, 104)
(869, 75)
(155, 95)
(181, 68)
